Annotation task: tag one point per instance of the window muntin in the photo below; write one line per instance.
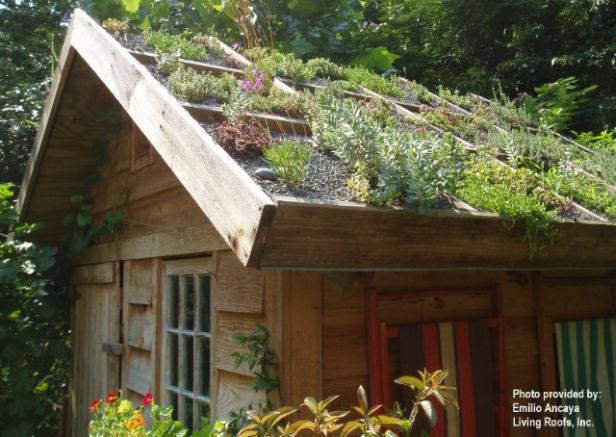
(187, 340)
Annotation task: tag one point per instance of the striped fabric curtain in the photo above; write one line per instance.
(586, 352)
(464, 348)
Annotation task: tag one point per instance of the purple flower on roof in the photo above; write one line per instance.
(258, 83)
(246, 85)
(235, 45)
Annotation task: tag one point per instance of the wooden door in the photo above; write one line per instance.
(95, 339)
(139, 313)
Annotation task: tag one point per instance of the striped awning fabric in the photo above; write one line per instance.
(464, 348)
(586, 352)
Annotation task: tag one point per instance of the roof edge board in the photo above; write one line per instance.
(207, 172)
(52, 105)
(309, 236)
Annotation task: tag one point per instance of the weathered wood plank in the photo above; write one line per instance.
(305, 235)
(177, 242)
(94, 274)
(235, 392)
(207, 172)
(227, 326)
(302, 309)
(238, 289)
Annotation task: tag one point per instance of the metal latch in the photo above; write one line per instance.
(113, 348)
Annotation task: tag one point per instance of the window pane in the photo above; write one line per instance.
(204, 310)
(188, 408)
(174, 301)
(173, 350)
(190, 301)
(174, 403)
(203, 411)
(204, 387)
(188, 360)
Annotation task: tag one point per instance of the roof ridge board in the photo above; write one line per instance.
(52, 104)
(201, 165)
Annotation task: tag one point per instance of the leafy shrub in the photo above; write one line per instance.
(594, 195)
(517, 195)
(322, 422)
(325, 68)
(242, 137)
(34, 329)
(188, 84)
(391, 165)
(374, 82)
(557, 102)
(289, 160)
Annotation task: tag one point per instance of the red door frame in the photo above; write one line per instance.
(379, 334)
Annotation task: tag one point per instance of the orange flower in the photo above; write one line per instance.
(136, 422)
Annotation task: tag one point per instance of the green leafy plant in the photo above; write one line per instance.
(557, 102)
(34, 328)
(569, 181)
(167, 63)
(289, 160)
(260, 359)
(188, 84)
(325, 69)
(285, 65)
(175, 44)
(390, 164)
(297, 105)
(322, 422)
(373, 82)
(462, 100)
(518, 195)
(117, 417)
(603, 161)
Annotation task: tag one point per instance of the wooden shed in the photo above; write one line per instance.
(351, 294)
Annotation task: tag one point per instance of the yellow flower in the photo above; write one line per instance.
(125, 407)
(136, 422)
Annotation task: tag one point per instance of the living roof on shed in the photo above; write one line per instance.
(265, 230)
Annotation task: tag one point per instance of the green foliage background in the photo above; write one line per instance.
(470, 45)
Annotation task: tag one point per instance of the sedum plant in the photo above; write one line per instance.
(289, 160)
(391, 165)
(325, 69)
(519, 195)
(569, 181)
(177, 44)
(373, 81)
(188, 84)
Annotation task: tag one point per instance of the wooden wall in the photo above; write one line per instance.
(530, 303)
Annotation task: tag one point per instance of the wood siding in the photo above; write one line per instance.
(530, 303)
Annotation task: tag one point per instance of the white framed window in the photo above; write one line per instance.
(187, 339)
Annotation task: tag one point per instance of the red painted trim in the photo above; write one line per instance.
(374, 348)
(432, 355)
(465, 381)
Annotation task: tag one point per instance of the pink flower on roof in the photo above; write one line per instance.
(235, 45)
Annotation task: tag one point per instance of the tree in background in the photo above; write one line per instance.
(30, 34)
(472, 45)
